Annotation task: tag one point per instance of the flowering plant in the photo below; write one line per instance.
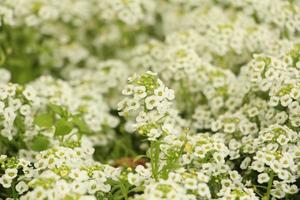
(140, 99)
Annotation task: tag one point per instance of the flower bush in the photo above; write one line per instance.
(140, 99)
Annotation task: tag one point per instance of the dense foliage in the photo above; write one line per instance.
(149, 99)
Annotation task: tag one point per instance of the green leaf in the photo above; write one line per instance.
(81, 125)
(56, 109)
(2, 56)
(39, 143)
(63, 127)
(19, 122)
(44, 120)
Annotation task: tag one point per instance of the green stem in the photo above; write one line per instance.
(154, 157)
(124, 190)
(270, 183)
(260, 186)
(13, 190)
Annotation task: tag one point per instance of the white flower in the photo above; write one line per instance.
(29, 93)
(226, 183)
(285, 100)
(163, 107)
(276, 166)
(134, 179)
(151, 102)
(245, 163)
(282, 139)
(139, 92)
(235, 176)
(128, 90)
(78, 187)
(123, 104)
(9, 114)
(229, 127)
(191, 183)
(160, 93)
(151, 73)
(25, 110)
(133, 104)
(274, 101)
(170, 94)
(268, 158)
(277, 193)
(203, 190)
(234, 144)
(258, 166)
(11, 173)
(284, 174)
(154, 133)
(218, 157)
(293, 189)
(4, 75)
(143, 171)
(202, 177)
(199, 152)
(21, 187)
(87, 197)
(263, 178)
(142, 117)
(6, 181)
(78, 174)
(265, 85)
(216, 125)
(295, 93)
(93, 187)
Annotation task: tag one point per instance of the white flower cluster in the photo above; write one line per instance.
(37, 12)
(16, 104)
(58, 173)
(151, 100)
(73, 126)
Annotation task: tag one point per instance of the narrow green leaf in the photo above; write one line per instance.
(2, 56)
(19, 122)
